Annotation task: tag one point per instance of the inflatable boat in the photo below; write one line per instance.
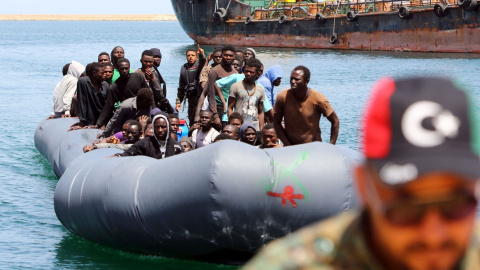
(227, 198)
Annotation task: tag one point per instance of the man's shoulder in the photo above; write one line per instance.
(83, 80)
(315, 245)
(317, 95)
(216, 68)
(282, 95)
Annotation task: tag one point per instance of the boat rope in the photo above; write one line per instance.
(228, 5)
(336, 13)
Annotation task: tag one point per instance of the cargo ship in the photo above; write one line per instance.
(416, 25)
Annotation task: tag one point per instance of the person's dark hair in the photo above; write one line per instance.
(92, 67)
(135, 123)
(107, 64)
(65, 69)
(147, 53)
(236, 129)
(128, 121)
(210, 112)
(173, 115)
(121, 60)
(223, 136)
(191, 50)
(216, 50)
(111, 54)
(306, 72)
(253, 62)
(103, 53)
(235, 115)
(228, 48)
(268, 126)
(145, 95)
(239, 58)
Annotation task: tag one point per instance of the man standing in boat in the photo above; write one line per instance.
(188, 83)
(203, 104)
(157, 60)
(146, 70)
(223, 70)
(301, 107)
(418, 184)
(247, 96)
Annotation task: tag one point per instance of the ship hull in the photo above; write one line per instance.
(423, 31)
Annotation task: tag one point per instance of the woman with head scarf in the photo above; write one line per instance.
(248, 133)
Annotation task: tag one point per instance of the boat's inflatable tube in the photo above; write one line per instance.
(227, 196)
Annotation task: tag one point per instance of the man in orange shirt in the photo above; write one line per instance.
(301, 108)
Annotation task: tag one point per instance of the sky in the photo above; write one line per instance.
(87, 7)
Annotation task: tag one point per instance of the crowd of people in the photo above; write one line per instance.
(227, 96)
(418, 182)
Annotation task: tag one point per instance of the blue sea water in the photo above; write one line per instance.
(32, 55)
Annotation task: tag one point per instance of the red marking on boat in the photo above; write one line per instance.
(287, 194)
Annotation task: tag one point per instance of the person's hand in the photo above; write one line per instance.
(88, 148)
(217, 122)
(178, 107)
(200, 51)
(143, 120)
(114, 140)
(51, 117)
(65, 115)
(210, 57)
(196, 126)
(74, 127)
(102, 127)
(149, 74)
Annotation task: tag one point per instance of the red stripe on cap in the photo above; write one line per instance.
(377, 128)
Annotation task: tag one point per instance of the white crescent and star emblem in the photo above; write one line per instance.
(445, 124)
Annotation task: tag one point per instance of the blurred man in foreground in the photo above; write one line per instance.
(417, 184)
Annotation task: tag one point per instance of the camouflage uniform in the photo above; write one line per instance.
(337, 243)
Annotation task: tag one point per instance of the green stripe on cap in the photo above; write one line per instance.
(472, 117)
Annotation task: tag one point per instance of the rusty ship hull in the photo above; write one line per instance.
(423, 31)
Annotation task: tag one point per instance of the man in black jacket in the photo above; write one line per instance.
(188, 85)
(159, 146)
(157, 60)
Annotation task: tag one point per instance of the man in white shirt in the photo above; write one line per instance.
(206, 134)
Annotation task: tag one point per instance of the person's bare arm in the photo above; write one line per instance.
(277, 124)
(261, 116)
(231, 105)
(333, 118)
(269, 116)
(220, 95)
(201, 99)
(211, 91)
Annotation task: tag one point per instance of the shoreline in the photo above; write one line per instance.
(28, 17)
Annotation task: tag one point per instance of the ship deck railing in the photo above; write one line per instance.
(274, 10)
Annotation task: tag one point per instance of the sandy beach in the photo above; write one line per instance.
(29, 17)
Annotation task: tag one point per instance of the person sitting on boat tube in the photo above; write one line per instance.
(65, 90)
(159, 146)
(131, 108)
(133, 133)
